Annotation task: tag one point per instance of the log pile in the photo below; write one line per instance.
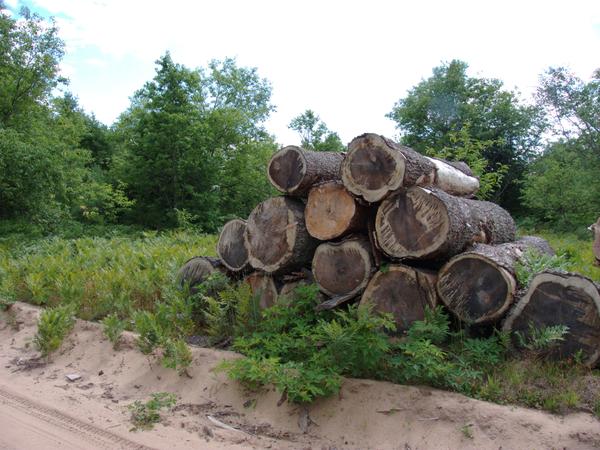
(386, 226)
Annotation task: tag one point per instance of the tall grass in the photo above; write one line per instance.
(99, 275)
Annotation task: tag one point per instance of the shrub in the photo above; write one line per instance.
(54, 325)
(145, 415)
(113, 328)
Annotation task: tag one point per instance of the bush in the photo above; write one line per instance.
(54, 325)
(113, 328)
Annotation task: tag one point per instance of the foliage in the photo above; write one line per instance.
(314, 133)
(100, 275)
(113, 327)
(440, 106)
(464, 148)
(54, 324)
(539, 340)
(188, 140)
(533, 262)
(176, 355)
(145, 415)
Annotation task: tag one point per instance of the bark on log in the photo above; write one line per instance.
(331, 212)
(343, 268)
(264, 287)
(595, 228)
(479, 286)
(231, 248)
(559, 298)
(420, 223)
(195, 270)
(404, 292)
(294, 171)
(276, 238)
(375, 166)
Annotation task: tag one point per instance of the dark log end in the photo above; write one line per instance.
(287, 168)
(231, 248)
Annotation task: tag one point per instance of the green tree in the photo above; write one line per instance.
(314, 133)
(185, 138)
(449, 100)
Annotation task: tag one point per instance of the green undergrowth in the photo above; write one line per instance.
(98, 275)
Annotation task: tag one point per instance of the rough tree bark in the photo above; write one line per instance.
(375, 166)
(331, 212)
(231, 248)
(343, 268)
(294, 171)
(276, 238)
(559, 298)
(420, 223)
(404, 292)
(479, 286)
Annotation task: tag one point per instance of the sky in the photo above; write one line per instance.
(349, 61)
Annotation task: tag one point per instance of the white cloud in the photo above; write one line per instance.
(348, 60)
(12, 4)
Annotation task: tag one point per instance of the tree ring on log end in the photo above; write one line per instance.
(475, 288)
(270, 234)
(329, 211)
(342, 268)
(230, 248)
(287, 168)
(412, 224)
(372, 168)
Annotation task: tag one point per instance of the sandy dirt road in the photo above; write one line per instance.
(41, 409)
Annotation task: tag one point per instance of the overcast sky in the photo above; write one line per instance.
(349, 61)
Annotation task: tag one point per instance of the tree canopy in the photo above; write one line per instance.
(314, 134)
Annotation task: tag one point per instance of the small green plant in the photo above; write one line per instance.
(145, 415)
(113, 328)
(150, 332)
(467, 431)
(54, 325)
(541, 340)
(533, 262)
(177, 355)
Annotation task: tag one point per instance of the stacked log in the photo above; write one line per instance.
(401, 232)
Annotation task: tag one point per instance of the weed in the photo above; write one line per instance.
(540, 341)
(113, 328)
(145, 415)
(534, 262)
(53, 326)
(467, 431)
(176, 355)
(150, 332)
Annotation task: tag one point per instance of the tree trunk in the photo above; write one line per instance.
(294, 171)
(343, 268)
(402, 291)
(595, 228)
(480, 285)
(559, 298)
(331, 212)
(376, 166)
(420, 223)
(276, 238)
(264, 287)
(231, 248)
(195, 270)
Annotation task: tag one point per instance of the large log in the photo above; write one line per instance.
(420, 223)
(375, 166)
(405, 292)
(231, 248)
(343, 268)
(276, 236)
(595, 228)
(479, 286)
(195, 271)
(294, 171)
(264, 287)
(559, 298)
(331, 212)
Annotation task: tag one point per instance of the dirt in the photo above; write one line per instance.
(41, 409)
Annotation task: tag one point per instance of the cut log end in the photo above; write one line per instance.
(331, 212)
(262, 286)
(475, 288)
(343, 268)
(402, 291)
(287, 168)
(231, 248)
(196, 270)
(555, 298)
(412, 224)
(372, 168)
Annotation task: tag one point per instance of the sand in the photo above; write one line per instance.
(41, 409)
